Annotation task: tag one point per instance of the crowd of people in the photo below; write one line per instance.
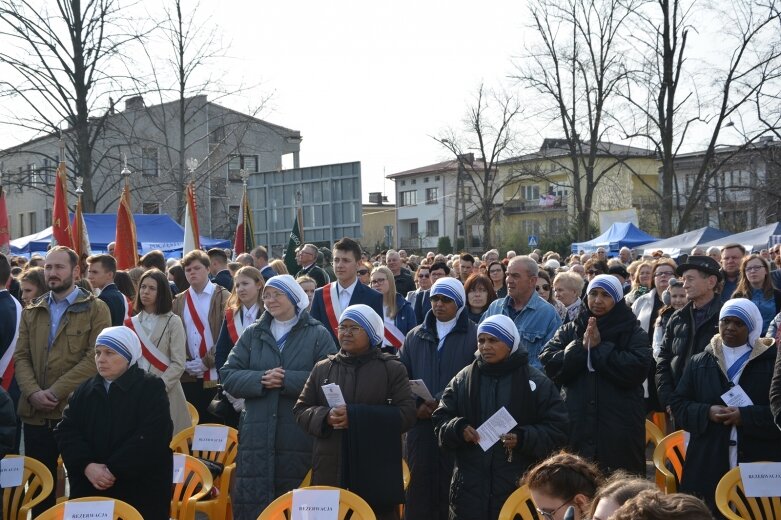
(314, 368)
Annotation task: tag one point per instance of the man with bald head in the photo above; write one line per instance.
(404, 281)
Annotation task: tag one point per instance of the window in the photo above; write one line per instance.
(414, 181)
(33, 219)
(21, 225)
(239, 162)
(432, 228)
(425, 179)
(432, 194)
(531, 227)
(47, 216)
(413, 228)
(46, 174)
(436, 177)
(34, 174)
(149, 164)
(403, 183)
(690, 180)
(151, 208)
(409, 198)
(466, 193)
(217, 136)
(531, 192)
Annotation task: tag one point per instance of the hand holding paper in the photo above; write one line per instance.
(497, 425)
(419, 388)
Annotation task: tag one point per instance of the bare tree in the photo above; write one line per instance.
(488, 129)
(55, 64)
(670, 99)
(576, 69)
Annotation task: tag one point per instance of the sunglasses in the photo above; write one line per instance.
(424, 276)
(544, 287)
(363, 272)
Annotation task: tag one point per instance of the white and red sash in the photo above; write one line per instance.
(128, 306)
(7, 361)
(393, 336)
(332, 308)
(235, 325)
(149, 350)
(211, 374)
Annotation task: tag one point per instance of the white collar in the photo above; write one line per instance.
(349, 290)
(207, 289)
(252, 311)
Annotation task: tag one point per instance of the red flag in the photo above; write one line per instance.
(61, 229)
(126, 248)
(80, 236)
(245, 239)
(192, 238)
(5, 232)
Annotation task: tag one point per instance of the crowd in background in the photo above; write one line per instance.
(578, 350)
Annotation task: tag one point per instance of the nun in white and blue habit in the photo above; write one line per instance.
(379, 408)
(499, 377)
(724, 433)
(267, 368)
(115, 431)
(601, 374)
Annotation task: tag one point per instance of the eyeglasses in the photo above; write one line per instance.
(754, 268)
(378, 281)
(495, 271)
(548, 515)
(659, 274)
(363, 272)
(424, 276)
(544, 287)
(349, 331)
(270, 296)
(438, 298)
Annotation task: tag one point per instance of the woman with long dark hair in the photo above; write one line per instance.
(755, 284)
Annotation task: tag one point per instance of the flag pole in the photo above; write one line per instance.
(300, 215)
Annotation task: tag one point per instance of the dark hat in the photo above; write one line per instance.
(704, 264)
(620, 270)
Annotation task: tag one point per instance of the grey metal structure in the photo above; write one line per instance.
(331, 202)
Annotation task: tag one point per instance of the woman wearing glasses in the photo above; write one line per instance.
(500, 378)
(647, 306)
(563, 481)
(267, 368)
(756, 285)
(378, 407)
(398, 315)
(545, 289)
(496, 272)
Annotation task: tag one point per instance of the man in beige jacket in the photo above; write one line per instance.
(202, 309)
(55, 354)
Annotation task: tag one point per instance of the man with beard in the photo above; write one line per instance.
(55, 354)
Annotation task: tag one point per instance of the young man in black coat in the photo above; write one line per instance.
(101, 270)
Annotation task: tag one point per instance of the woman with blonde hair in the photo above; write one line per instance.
(398, 315)
(33, 284)
(279, 266)
(243, 307)
(641, 281)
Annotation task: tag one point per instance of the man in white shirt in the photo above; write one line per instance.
(329, 301)
(202, 309)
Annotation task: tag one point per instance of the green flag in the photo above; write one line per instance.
(292, 244)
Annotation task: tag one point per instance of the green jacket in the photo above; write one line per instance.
(69, 362)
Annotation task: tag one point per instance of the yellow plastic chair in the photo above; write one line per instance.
(37, 485)
(653, 435)
(279, 509)
(196, 484)
(405, 475)
(218, 508)
(735, 505)
(660, 421)
(194, 416)
(670, 453)
(520, 503)
(122, 510)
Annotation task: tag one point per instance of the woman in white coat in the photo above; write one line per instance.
(163, 341)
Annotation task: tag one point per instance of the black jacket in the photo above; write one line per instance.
(116, 302)
(482, 481)
(7, 424)
(224, 279)
(431, 468)
(703, 383)
(422, 305)
(128, 429)
(606, 410)
(316, 273)
(404, 282)
(775, 390)
(681, 342)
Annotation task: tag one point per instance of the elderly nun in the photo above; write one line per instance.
(267, 368)
(435, 351)
(737, 363)
(358, 439)
(601, 360)
(115, 431)
(500, 378)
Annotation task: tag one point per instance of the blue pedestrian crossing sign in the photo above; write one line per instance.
(533, 241)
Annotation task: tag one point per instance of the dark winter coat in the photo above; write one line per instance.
(116, 303)
(482, 481)
(703, 383)
(606, 409)
(431, 468)
(372, 378)
(7, 424)
(775, 391)
(681, 342)
(274, 454)
(128, 429)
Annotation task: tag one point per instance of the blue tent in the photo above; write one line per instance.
(753, 239)
(685, 241)
(152, 232)
(620, 234)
